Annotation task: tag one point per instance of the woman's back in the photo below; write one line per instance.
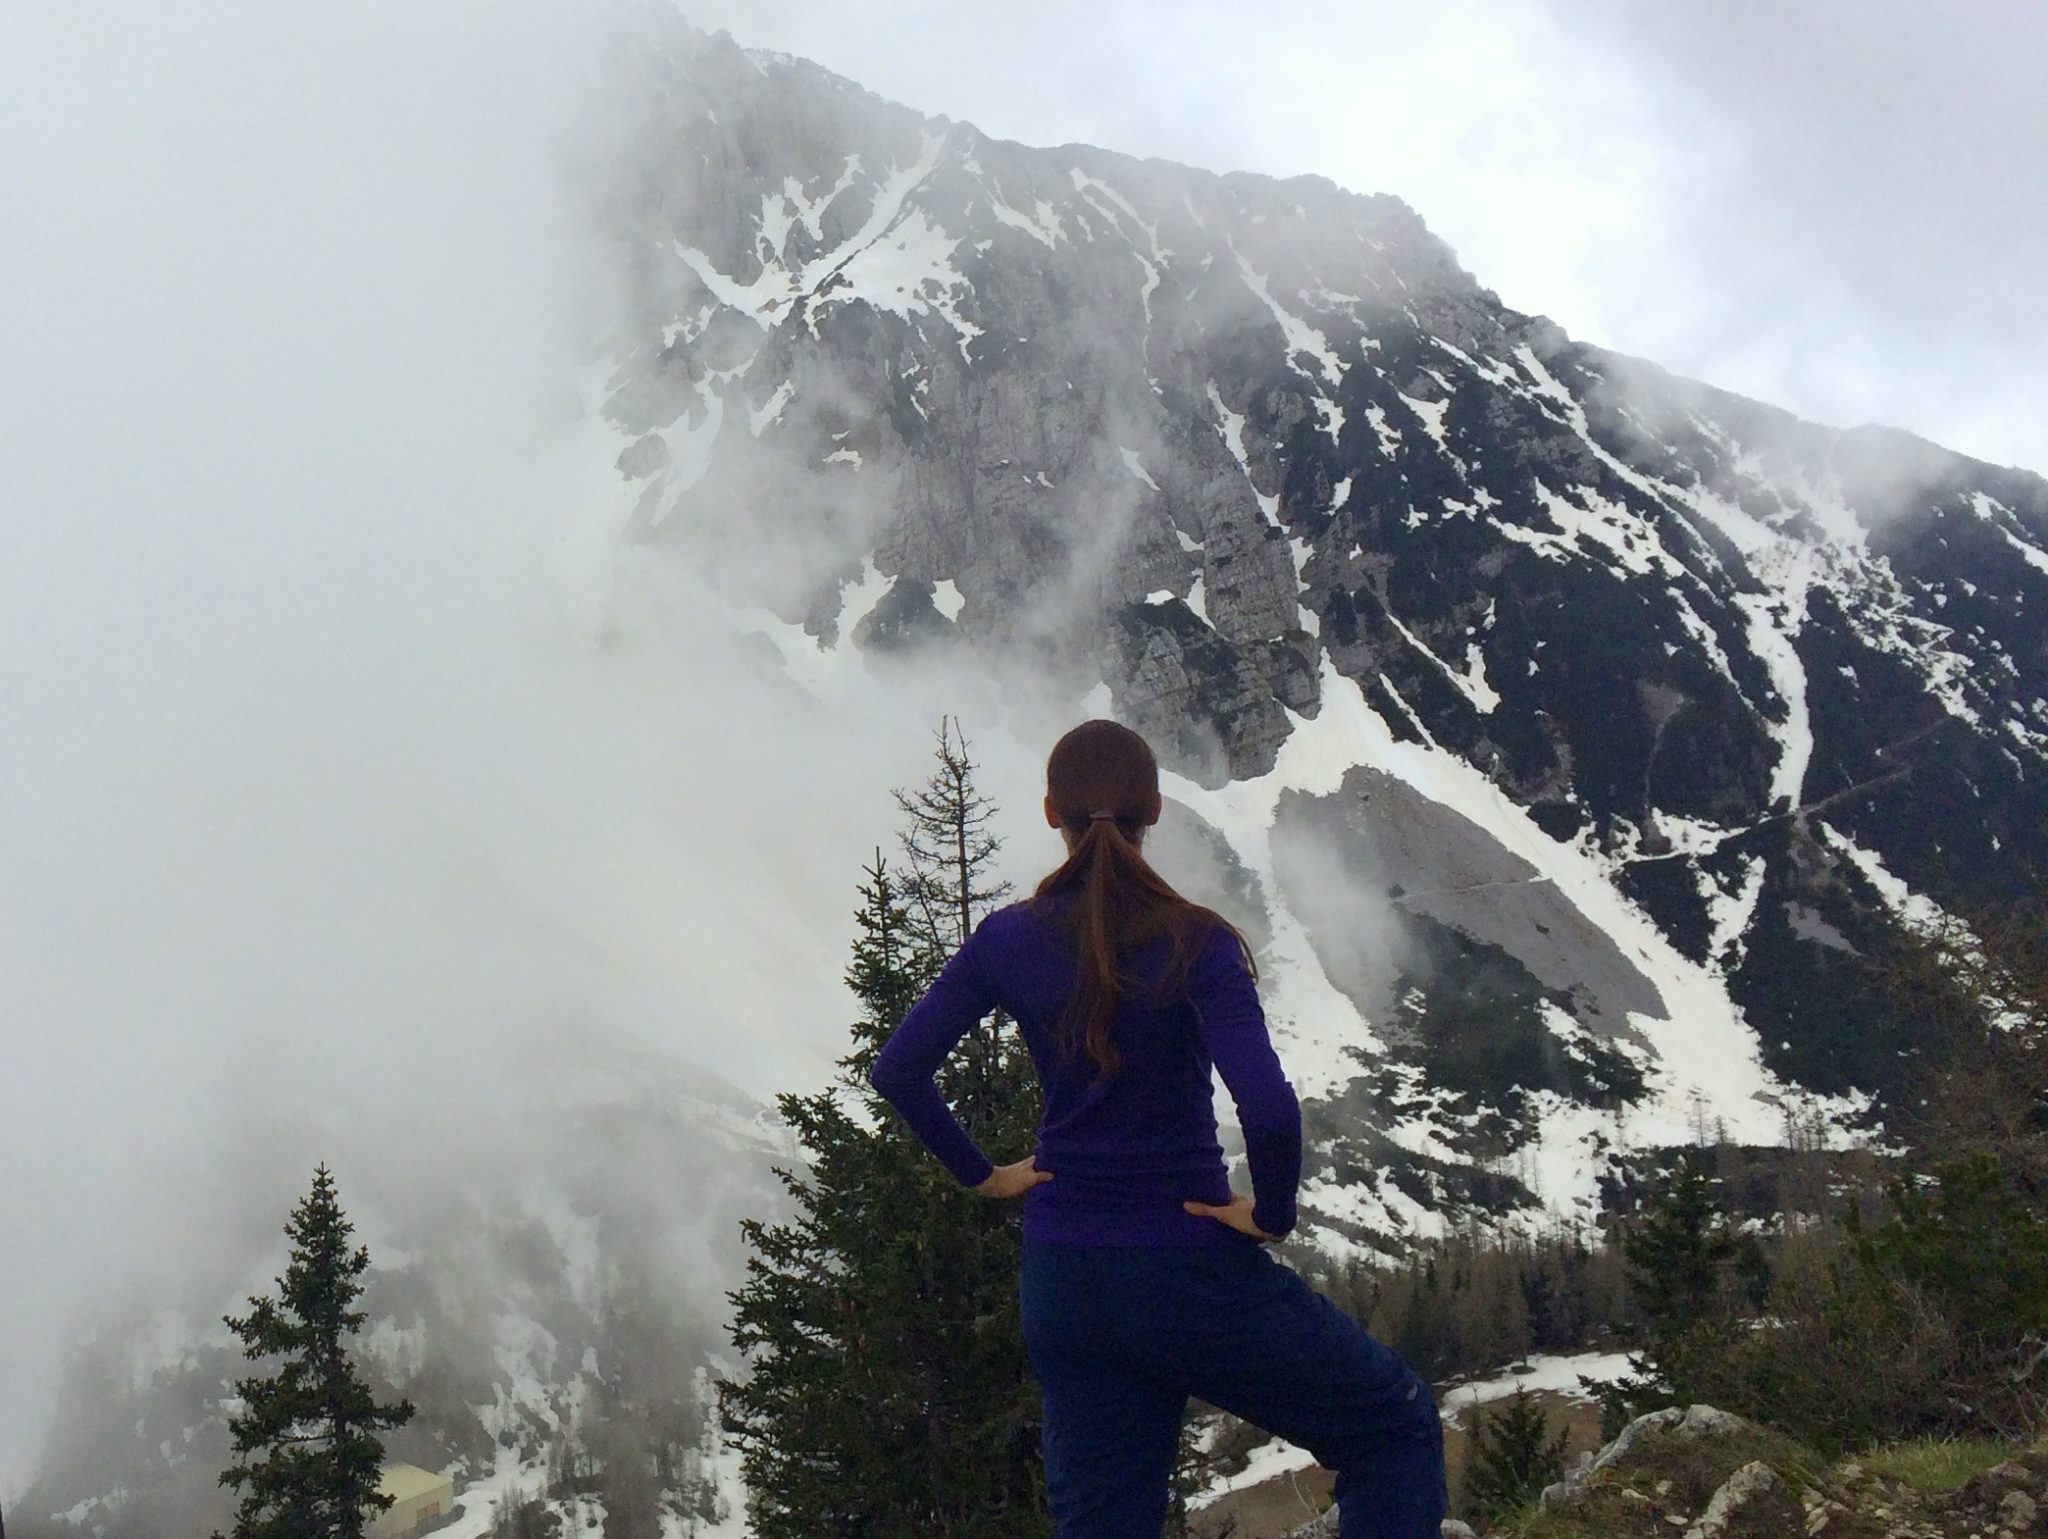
(1125, 1148)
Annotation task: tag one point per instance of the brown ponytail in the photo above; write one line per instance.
(1102, 782)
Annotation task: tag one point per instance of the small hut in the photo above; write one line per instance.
(418, 1498)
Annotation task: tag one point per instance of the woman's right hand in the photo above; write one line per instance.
(1007, 1181)
(1236, 1213)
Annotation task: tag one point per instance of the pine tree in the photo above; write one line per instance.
(1678, 1256)
(948, 849)
(888, 1391)
(306, 1434)
(1514, 1456)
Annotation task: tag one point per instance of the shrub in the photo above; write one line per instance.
(1932, 1323)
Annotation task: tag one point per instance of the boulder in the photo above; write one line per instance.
(1738, 1491)
(1688, 1424)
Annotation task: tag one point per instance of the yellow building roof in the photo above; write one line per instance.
(408, 1482)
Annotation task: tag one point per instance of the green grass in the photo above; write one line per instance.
(1932, 1465)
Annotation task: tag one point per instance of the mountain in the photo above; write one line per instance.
(1571, 733)
(1568, 736)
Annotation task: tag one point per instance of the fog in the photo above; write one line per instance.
(354, 771)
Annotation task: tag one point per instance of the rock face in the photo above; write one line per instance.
(1741, 1492)
(1679, 702)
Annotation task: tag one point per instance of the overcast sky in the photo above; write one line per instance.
(1840, 206)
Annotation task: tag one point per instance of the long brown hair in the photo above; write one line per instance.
(1103, 783)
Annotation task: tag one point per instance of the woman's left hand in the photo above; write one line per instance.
(1014, 1180)
(1236, 1214)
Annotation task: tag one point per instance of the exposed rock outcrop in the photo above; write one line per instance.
(1705, 1474)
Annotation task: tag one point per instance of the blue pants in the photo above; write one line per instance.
(1120, 1336)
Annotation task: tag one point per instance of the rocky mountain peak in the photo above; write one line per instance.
(1618, 703)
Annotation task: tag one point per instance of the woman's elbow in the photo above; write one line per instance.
(1277, 1112)
(890, 1077)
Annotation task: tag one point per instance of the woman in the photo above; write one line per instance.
(1144, 1280)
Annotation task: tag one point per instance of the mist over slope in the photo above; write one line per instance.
(483, 653)
(355, 784)
(561, 1293)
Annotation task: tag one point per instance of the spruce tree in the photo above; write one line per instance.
(308, 1454)
(1679, 1257)
(1514, 1456)
(1679, 1254)
(947, 885)
(887, 1390)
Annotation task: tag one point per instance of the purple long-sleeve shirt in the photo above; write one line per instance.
(1127, 1151)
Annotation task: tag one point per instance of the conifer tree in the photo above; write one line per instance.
(888, 1391)
(1678, 1256)
(1514, 1456)
(306, 1434)
(948, 886)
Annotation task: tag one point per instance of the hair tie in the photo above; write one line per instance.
(1097, 817)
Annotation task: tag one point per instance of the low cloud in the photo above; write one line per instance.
(355, 773)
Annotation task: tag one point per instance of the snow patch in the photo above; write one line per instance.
(1432, 414)
(690, 456)
(1389, 437)
(1919, 914)
(905, 270)
(1729, 913)
(2001, 518)
(399, 1351)
(1042, 224)
(824, 671)
(1471, 682)
(753, 300)
(1702, 1045)
(1269, 1461)
(1136, 466)
(1543, 1373)
(1773, 619)
(770, 410)
(1301, 337)
(861, 598)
